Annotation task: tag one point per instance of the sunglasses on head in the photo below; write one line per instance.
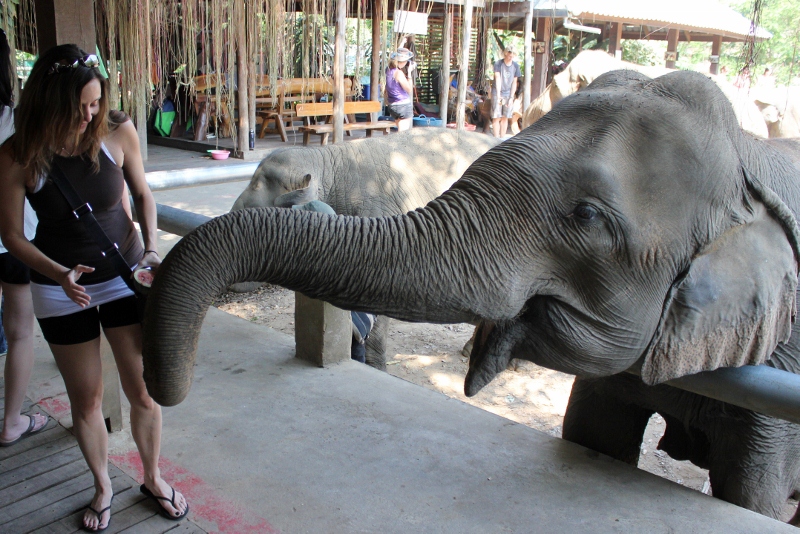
(90, 62)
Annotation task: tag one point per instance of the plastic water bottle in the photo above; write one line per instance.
(252, 139)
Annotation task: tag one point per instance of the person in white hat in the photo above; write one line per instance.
(399, 89)
(506, 75)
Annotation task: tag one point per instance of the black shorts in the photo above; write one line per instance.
(84, 325)
(13, 271)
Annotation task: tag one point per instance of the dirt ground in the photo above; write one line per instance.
(430, 356)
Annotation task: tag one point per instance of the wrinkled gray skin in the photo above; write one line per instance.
(386, 175)
(635, 222)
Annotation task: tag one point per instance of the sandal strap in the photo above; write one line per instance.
(100, 513)
(171, 501)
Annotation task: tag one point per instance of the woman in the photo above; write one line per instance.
(63, 128)
(15, 285)
(399, 89)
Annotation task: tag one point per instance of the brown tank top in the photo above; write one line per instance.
(64, 239)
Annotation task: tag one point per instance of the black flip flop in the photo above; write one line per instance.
(163, 510)
(99, 517)
(28, 432)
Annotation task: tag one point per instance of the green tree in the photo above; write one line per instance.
(782, 51)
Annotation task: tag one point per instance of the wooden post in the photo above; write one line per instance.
(672, 48)
(615, 40)
(375, 73)
(444, 79)
(541, 61)
(250, 27)
(338, 72)
(716, 46)
(526, 76)
(65, 21)
(466, 29)
(243, 103)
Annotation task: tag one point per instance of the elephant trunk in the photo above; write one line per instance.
(414, 267)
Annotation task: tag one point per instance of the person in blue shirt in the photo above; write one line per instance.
(506, 76)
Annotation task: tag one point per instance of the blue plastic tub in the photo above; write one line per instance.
(422, 120)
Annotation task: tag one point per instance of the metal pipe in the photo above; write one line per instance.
(177, 221)
(173, 220)
(759, 388)
(175, 179)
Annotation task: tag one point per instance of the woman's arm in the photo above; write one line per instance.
(125, 140)
(400, 78)
(12, 231)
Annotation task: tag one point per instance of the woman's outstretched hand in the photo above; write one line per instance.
(150, 259)
(69, 283)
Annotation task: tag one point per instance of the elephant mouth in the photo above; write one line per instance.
(553, 334)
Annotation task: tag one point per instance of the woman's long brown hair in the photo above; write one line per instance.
(49, 116)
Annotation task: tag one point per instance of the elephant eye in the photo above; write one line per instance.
(585, 213)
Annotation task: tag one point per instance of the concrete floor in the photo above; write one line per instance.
(267, 443)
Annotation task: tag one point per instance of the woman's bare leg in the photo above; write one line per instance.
(81, 368)
(18, 325)
(126, 344)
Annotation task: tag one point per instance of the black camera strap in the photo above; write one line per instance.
(83, 212)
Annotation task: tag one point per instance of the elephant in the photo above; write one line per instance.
(370, 178)
(636, 225)
(780, 108)
(590, 64)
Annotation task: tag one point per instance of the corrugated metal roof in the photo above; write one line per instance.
(693, 15)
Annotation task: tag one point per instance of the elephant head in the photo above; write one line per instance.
(635, 222)
(780, 108)
(280, 182)
(581, 71)
(591, 64)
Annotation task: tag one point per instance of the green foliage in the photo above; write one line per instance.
(782, 52)
(642, 52)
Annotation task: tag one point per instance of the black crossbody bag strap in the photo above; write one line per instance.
(83, 212)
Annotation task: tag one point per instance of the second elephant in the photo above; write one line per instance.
(369, 178)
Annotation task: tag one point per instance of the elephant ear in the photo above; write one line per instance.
(301, 195)
(733, 306)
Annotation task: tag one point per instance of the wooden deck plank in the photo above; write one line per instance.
(52, 431)
(32, 494)
(34, 504)
(42, 465)
(125, 511)
(157, 525)
(50, 517)
(36, 454)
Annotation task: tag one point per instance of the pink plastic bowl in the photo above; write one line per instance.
(220, 154)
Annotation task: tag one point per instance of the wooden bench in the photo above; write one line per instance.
(325, 109)
(277, 107)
